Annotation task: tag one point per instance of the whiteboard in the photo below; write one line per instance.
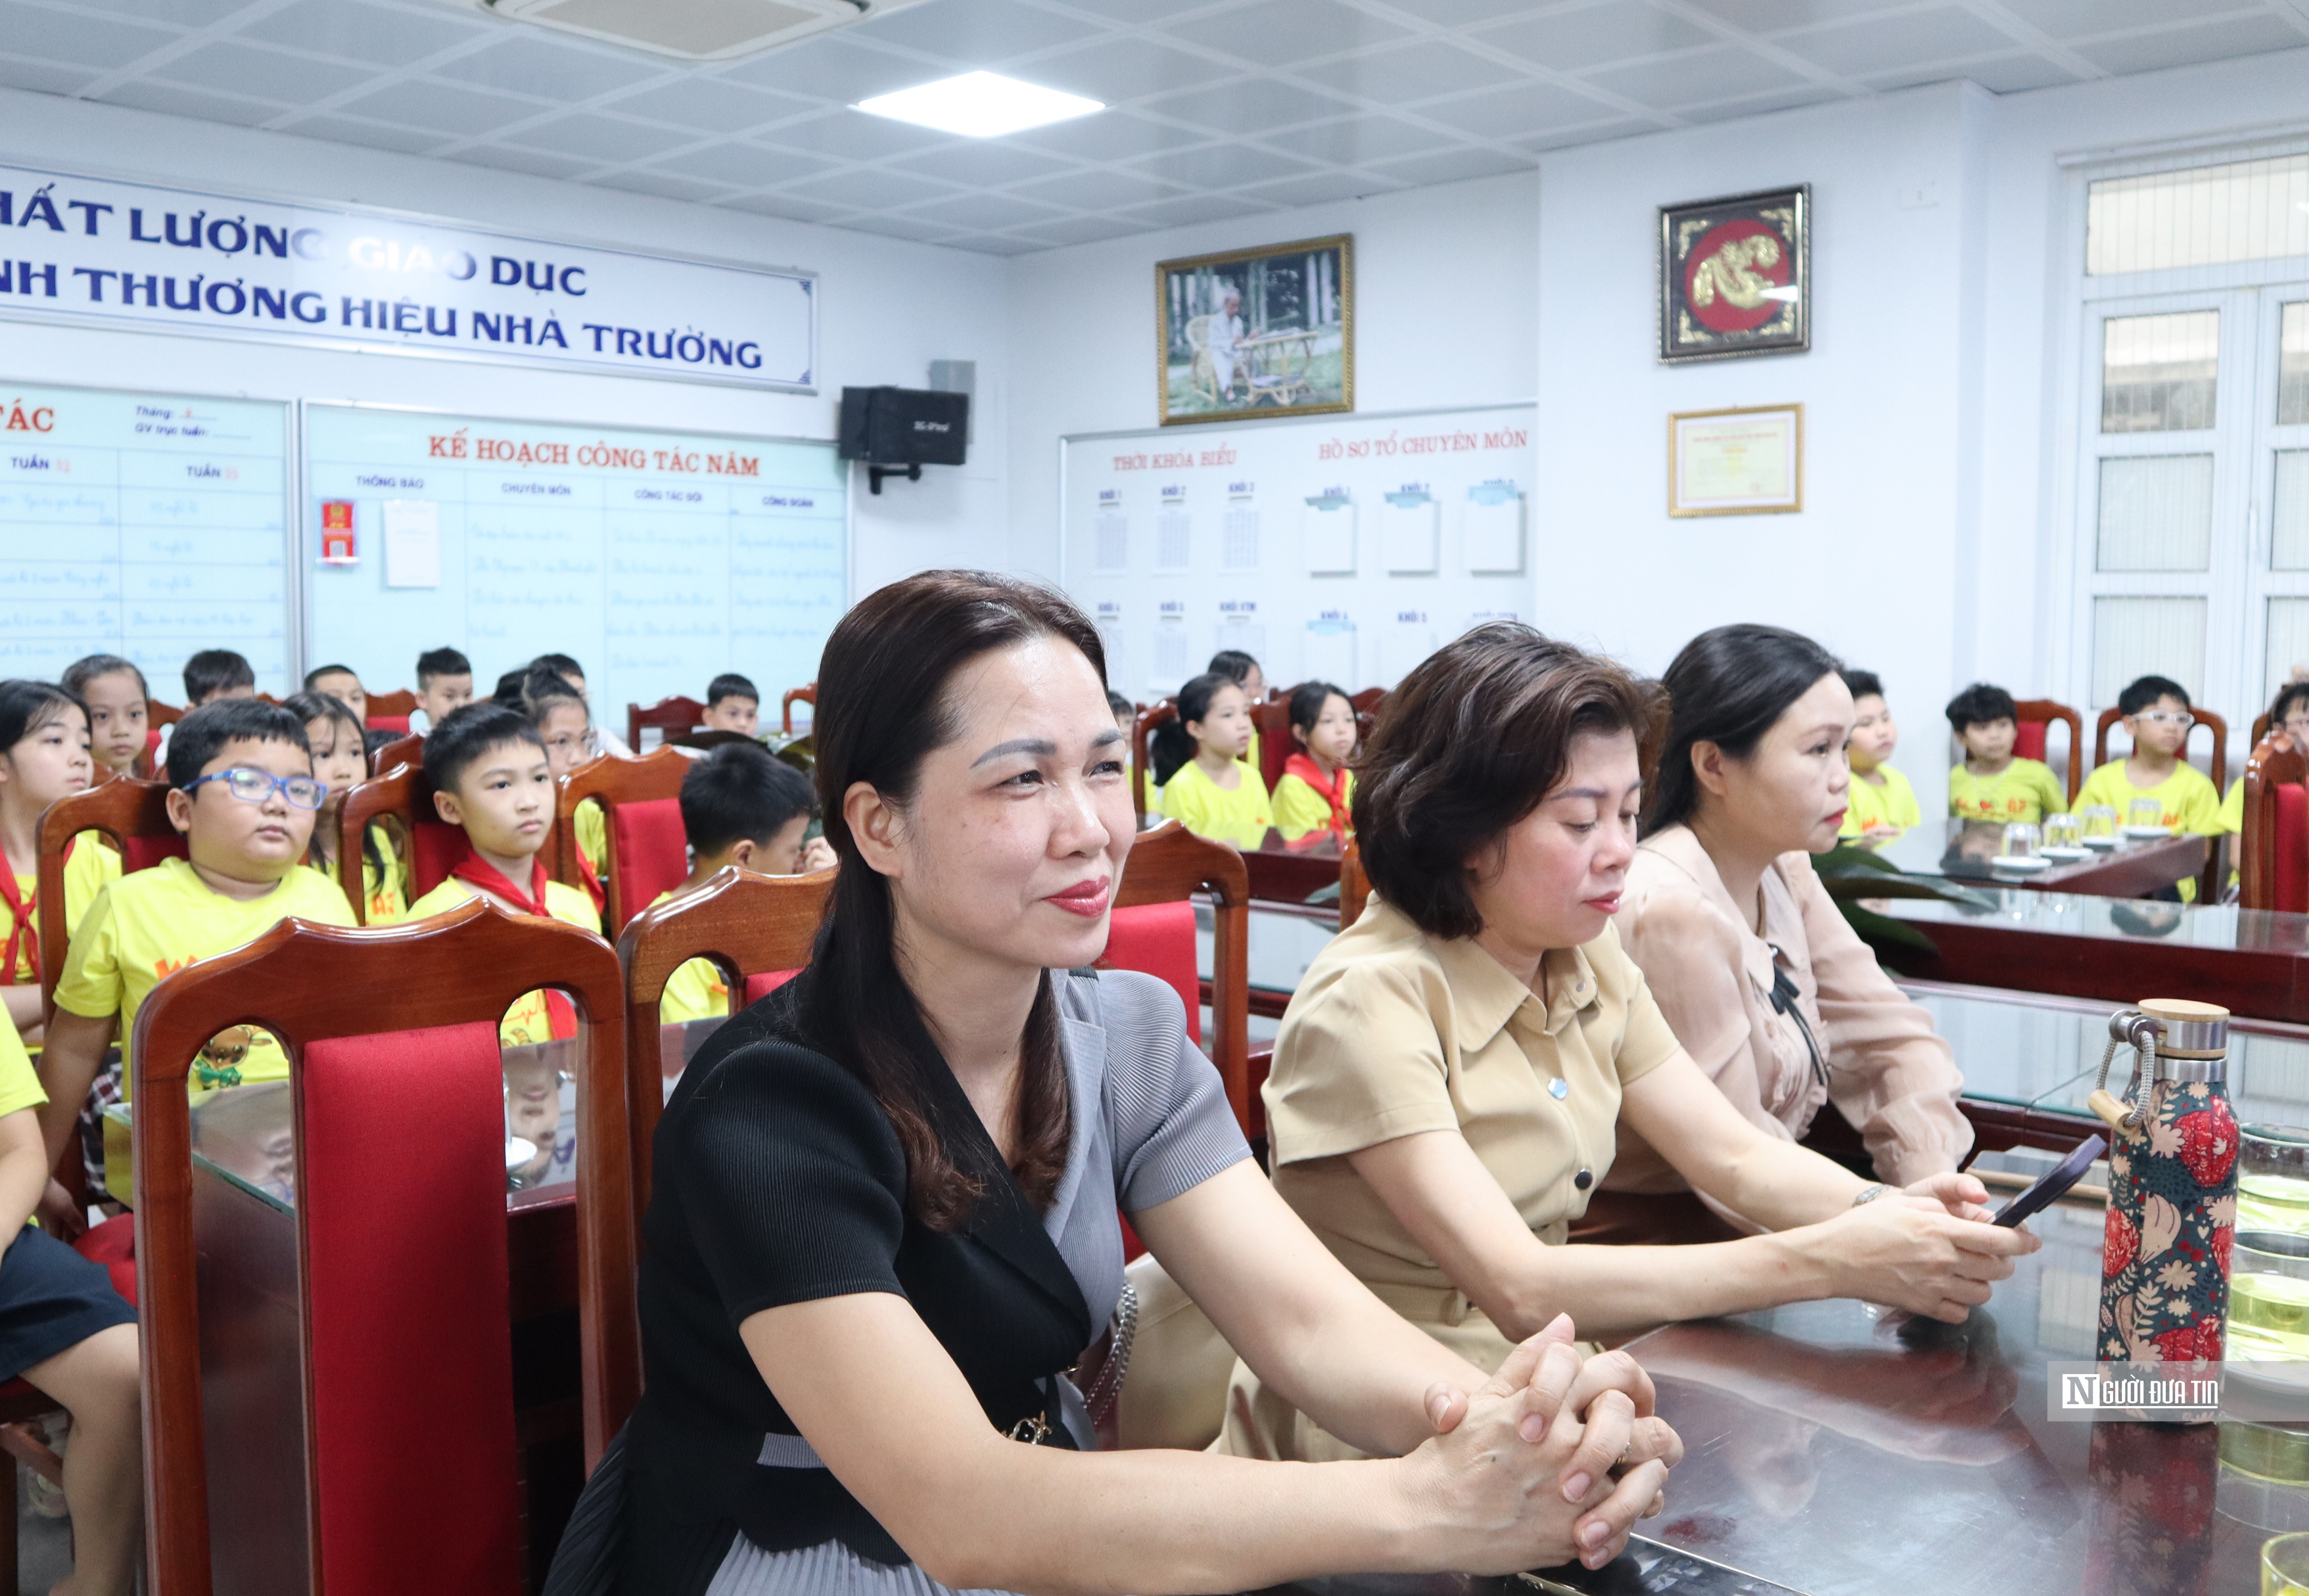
(1344, 549)
(148, 525)
(658, 559)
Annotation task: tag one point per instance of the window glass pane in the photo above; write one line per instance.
(2157, 514)
(2288, 517)
(2242, 210)
(2288, 644)
(2135, 637)
(2157, 371)
(2292, 367)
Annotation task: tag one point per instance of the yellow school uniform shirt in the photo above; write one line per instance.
(1892, 804)
(91, 868)
(1299, 808)
(1208, 810)
(526, 1020)
(19, 1083)
(2024, 790)
(2233, 809)
(151, 923)
(386, 890)
(696, 991)
(2187, 800)
(593, 836)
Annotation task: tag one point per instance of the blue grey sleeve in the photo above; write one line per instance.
(1171, 1125)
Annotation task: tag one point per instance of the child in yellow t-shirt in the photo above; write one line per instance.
(1198, 763)
(242, 791)
(1991, 784)
(740, 807)
(1244, 672)
(1317, 787)
(341, 762)
(114, 691)
(444, 683)
(1881, 805)
(733, 704)
(2158, 719)
(491, 775)
(44, 756)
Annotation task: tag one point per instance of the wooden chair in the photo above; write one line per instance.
(806, 694)
(672, 717)
(1275, 743)
(2273, 868)
(2205, 718)
(390, 712)
(21, 1405)
(135, 816)
(1153, 932)
(431, 848)
(1150, 717)
(407, 750)
(2032, 729)
(2259, 729)
(647, 850)
(398, 1094)
(756, 929)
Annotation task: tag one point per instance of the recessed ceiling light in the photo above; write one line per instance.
(979, 105)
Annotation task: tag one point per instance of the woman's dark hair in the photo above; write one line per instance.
(1727, 686)
(883, 703)
(26, 706)
(1170, 744)
(1307, 702)
(1470, 743)
(309, 707)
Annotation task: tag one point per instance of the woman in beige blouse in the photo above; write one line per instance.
(1449, 1074)
(1763, 980)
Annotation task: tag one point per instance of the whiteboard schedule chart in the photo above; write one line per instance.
(658, 559)
(147, 525)
(1342, 548)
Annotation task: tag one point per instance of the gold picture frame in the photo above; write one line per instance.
(1244, 335)
(1746, 461)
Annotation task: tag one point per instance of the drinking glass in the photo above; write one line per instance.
(2062, 831)
(2098, 820)
(2273, 1179)
(2146, 812)
(2269, 1296)
(2020, 841)
(2285, 1566)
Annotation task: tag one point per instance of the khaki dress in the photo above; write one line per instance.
(1394, 1032)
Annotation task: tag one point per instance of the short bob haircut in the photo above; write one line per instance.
(1469, 744)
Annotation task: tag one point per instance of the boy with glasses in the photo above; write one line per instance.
(2158, 719)
(243, 794)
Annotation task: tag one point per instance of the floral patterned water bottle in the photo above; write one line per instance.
(2172, 1199)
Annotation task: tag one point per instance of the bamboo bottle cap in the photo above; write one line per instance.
(2192, 1030)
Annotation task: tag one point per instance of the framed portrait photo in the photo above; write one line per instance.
(1736, 462)
(1254, 332)
(1736, 276)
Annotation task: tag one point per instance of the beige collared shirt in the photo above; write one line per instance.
(1392, 1031)
(1712, 972)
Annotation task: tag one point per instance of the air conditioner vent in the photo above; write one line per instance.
(692, 29)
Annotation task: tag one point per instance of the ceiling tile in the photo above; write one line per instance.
(642, 181)
(976, 32)
(792, 207)
(1882, 44)
(1357, 139)
(1084, 229)
(748, 165)
(2182, 47)
(1616, 31)
(1757, 105)
(862, 186)
(2071, 19)
(1111, 135)
(604, 138)
(712, 105)
(75, 40)
(1222, 166)
(182, 13)
(1527, 109)
(1247, 106)
(1454, 166)
(357, 32)
(853, 136)
(536, 162)
(984, 212)
(530, 61)
(1118, 69)
(1466, 14)
(1585, 132)
(832, 69)
(1320, 189)
(898, 227)
(1195, 208)
(41, 78)
(270, 74)
(1417, 71)
(375, 135)
(1135, 12)
(1703, 76)
(989, 162)
(1766, 16)
(1271, 33)
(1099, 190)
(422, 103)
(2007, 75)
(993, 243)
(147, 96)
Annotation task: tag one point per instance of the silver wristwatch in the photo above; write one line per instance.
(1868, 1194)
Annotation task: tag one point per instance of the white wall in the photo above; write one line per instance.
(1444, 315)
(888, 308)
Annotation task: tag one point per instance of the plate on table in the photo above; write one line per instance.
(2021, 867)
(2061, 853)
(2104, 844)
(2146, 834)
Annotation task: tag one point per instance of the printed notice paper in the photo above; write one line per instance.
(412, 543)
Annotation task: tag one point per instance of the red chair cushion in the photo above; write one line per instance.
(2029, 740)
(649, 851)
(142, 853)
(401, 1187)
(758, 986)
(2289, 849)
(1158, 939)
(435, 848)
(398, 723)
(113, 1244)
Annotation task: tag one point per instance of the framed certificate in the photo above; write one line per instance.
(1736, 462)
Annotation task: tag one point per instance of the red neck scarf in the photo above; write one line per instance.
(24, 934)
(476, 872)
(1333, 788)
